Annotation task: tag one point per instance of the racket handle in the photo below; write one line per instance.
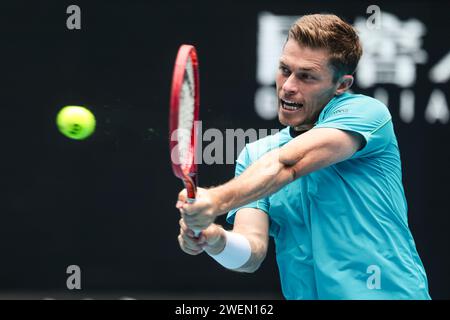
(191, 189)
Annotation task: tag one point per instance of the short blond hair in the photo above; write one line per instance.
(328, 31)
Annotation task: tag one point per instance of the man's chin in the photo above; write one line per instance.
(291, 122)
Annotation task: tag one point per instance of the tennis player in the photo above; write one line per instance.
(327, 188)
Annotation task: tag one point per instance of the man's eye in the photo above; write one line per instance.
(306, 76)
(285, 71)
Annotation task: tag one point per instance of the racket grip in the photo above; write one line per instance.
(191, 188)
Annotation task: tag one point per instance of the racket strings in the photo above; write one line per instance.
(186, 115)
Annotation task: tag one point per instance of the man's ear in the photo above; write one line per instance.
(345, 82)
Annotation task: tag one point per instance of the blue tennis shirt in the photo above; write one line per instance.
(342, 232)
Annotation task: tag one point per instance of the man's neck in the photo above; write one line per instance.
(296, 131)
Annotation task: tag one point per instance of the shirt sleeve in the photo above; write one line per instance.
(368, 118)
(244, 160)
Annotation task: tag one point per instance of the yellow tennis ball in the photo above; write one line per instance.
(75, 122)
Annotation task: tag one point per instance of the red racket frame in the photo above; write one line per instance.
(186, 172)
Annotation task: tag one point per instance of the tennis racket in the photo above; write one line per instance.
(184, 112)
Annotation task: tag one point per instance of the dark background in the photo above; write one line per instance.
(106, 204)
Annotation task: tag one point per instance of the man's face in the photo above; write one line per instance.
(304, 85)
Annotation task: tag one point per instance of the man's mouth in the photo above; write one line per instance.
(290, 105)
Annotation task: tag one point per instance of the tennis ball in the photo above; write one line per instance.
(75, 122)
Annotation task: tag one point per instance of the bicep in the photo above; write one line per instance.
(318, 148)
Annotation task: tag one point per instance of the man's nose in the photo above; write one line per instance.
(290, 86)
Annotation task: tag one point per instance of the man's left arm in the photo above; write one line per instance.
(311, 151)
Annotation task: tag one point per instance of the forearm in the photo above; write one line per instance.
(262, 178)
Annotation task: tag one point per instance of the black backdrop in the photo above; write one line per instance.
(106, 204)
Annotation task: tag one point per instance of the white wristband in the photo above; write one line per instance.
(236, 253)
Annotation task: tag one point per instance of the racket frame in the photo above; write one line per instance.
(187, 172)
